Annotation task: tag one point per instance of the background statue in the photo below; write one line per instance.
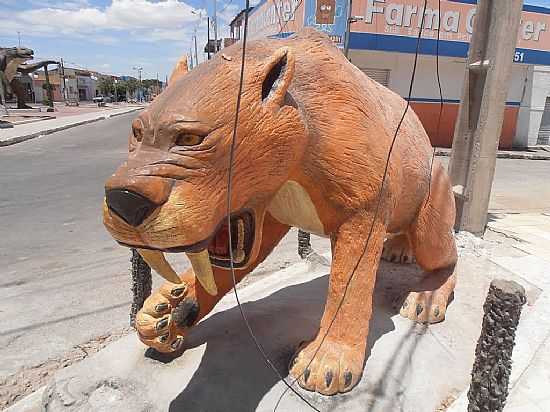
(312, 142)
(10, 59)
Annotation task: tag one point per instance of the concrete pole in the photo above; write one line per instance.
(208, 37)
(348, 30)
(49, 92)
(62, 71)
(215, 28)
(477, 131)
(196, 49)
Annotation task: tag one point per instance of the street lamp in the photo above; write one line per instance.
(199, 13)
(139, 69)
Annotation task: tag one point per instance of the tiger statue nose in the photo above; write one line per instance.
(130, 206)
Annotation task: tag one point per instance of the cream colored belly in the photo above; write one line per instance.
(293, 206)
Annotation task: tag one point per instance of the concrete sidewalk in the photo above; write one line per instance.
(535, 153)
(23, 132)
(410, 367)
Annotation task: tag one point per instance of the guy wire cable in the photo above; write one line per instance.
(229, 186)
(229, 181)
(377, 204)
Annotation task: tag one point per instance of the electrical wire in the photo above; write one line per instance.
(229, 190)
(230, 240)
(350, 279)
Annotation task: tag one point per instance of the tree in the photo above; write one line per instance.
(131, 85)
(106, 85)
(127, 88)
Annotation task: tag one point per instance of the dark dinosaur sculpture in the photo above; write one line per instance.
(10, 59)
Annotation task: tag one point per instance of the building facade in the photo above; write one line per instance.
(382, 43)
(80, 85)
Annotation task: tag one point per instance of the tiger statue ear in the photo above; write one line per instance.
(276, 75)
(179, 70)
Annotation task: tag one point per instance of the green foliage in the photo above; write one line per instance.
(131, 85)
(149, 83)
(106, 85)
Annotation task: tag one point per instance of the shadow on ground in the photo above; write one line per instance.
(232, 375)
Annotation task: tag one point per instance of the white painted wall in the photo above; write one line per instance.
(537, 88)
(451, 71)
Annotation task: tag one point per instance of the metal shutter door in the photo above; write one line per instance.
(544, 131)
(382, 76)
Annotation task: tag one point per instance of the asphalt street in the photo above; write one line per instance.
(64, 281)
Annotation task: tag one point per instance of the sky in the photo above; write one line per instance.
(113, 36)
(116, 36)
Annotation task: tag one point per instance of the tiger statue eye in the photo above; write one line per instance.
(188, 140)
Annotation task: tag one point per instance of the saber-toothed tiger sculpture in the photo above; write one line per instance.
(312, 141)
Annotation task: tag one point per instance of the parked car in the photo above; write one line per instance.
(102, 99)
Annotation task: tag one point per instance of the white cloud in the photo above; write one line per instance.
(161, 20)
(60, 4)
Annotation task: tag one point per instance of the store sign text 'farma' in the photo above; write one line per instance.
(408, 15)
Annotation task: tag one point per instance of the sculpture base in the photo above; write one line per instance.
(409, 366)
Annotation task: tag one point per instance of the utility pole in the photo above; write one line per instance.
(196, 53)
(208, 37)
(477, 131)
(157, 85)
(19, 38)
(349, 21)
(62, 72)
(195, 37)
(48, 89)
(140, 91)
(215, 29)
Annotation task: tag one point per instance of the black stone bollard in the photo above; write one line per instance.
(493, 363)
(304, 244)
(141, 284)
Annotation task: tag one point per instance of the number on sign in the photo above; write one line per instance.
(518, 56)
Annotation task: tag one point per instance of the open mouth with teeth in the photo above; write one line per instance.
(212, 251)
(242, 239)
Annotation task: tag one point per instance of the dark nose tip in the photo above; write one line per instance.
(132, 207)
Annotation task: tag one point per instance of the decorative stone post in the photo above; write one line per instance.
(141, 284)
(493, 362)
(304, 244)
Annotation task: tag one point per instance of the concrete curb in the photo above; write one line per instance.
(23, 138)
(505, 155)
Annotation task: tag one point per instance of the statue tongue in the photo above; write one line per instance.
(220, 245)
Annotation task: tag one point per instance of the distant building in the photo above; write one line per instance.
(80, 85)
(236, 27)
(39, 84)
